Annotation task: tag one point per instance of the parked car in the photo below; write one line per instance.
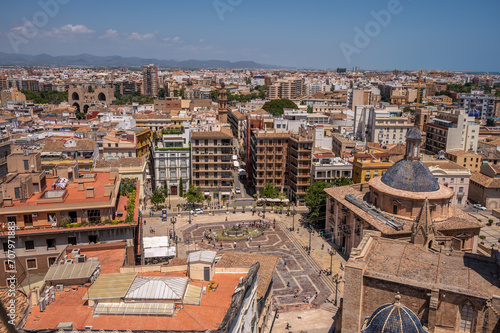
(197, 211)
(478, 206)
(237, 190)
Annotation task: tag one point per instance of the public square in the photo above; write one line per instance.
(297, 270)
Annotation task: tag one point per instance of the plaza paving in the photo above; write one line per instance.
(301, 269)
(293, 269)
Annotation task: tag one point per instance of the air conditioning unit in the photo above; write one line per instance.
(81, 258)
(59, 287)
(68, 261)
(93, 259)
(75, 252)
(34, 214)
(89, 328)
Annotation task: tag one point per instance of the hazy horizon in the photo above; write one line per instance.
(374, 35)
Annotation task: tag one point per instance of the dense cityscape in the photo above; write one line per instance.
(151, 195)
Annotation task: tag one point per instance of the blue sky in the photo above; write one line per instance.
(444, 34)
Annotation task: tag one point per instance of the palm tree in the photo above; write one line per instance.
(243, 208)
(178, 208)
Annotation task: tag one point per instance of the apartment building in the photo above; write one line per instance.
(212, 163)
(357, 97)
(167, 104)
(154, 122)
(450, 131)
(387, 126)
(65, 151)
(454, 176)
(4, 152)
(326, 167)
(11, 94)
(130, 143)
(288, 87)
(282, 158)
(150, 80)
(343, 144)
(467, 159)
(172, 160)
(52, 212)
(477, 100)
(369, 165)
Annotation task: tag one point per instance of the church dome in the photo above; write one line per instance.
(411, 176)
(392, 318)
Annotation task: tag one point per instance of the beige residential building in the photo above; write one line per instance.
(212, 163)
(11, 94)
(288, 87)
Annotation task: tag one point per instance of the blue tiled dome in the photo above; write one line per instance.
(392, 318)
(412, 176)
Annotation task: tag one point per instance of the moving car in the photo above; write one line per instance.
(478, 206)
(196, 211)
(237, 190)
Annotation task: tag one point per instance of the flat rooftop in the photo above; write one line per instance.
(74, 196)
(70, 307)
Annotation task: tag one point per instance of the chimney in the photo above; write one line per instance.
(81, 186)
(90, 192)
(108, 189)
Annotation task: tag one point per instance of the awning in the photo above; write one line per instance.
(159, 252)
(225, 193)
(206, 193)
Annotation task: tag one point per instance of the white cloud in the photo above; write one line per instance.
(176, 39)
(202, 40)
(110, 33)
(68, 29)
(138, 36)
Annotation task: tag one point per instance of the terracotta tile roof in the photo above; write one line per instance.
(459, 220)
(411, 264)
(120, 163)
(266, 270)
(444, 164)
(224, 133)
(20, 308)
(484, 180)
(70, 307)
(460, 152)
(53, 144)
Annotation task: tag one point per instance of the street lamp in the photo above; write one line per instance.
(310, 233)
(337, 280)
(331, 253)
(173, 220)
(293, 218)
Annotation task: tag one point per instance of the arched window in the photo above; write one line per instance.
(466, 317)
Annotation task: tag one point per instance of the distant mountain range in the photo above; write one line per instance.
(88, 60)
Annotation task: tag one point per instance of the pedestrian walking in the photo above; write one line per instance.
(288, 284)
(284, 263)
(259, 247)
(322, 246)
(316, 295)
(308, 299)
(234, 244)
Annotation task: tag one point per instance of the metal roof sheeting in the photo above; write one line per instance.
(113, 285)
(203, 256)
(166, 309)
(71, 271)
(157, 288)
